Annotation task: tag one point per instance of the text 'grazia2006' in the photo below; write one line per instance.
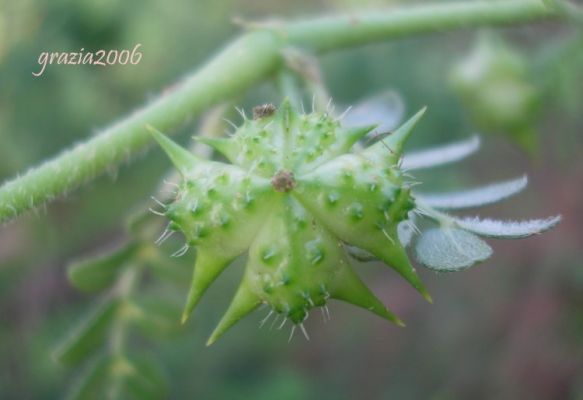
(99, 57)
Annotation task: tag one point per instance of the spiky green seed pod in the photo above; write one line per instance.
(294, 195)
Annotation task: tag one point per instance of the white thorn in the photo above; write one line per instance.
(282, 323)
(228, 121)
(180, 252)
(313, 102)
(241, 112)
(274, 322)
(158, 241)
(264, 320)
(156, 212)
(341, 117)
(323, 314)
(291, 335)
(171, 183)
(302, 107)
(327, 312)
(304, 332)
(164, 236)
(413, 227)
(387, 236)
(164, 206)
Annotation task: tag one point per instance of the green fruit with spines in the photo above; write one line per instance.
(293, 195)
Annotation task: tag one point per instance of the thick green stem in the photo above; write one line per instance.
(336, 32)
(247, 61)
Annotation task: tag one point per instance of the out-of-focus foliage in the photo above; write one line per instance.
(497, 88)
(510, 328)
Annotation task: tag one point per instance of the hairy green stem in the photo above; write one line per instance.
(247, 61)
(333, 33)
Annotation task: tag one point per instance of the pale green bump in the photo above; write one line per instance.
(348, 175)
(314, 252)
(223, 179)
(300, 222)
(248, 199)
(268, 255)
(196, 207)
(212, 192)
(356, 211)
(332, 198)
(201, 231)
(285, 279)
(224, 220)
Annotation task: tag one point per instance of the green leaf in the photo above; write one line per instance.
(441, 155)
(92, 382)
(98, 273)
(450, 249)
(89, 335)
(146, 381)
(474, 197)
(174, 270)
(507, 229)
(158, 317)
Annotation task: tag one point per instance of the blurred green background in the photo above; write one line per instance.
(509, 328)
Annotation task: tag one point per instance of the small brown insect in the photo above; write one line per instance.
(264, 110)
(376, 137)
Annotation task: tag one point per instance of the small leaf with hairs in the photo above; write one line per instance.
(506, 229)
(474, 197)
(450, 249)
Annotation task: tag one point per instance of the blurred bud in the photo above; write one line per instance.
(493, 84)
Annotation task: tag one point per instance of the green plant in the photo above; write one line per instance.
(299, 200)
(378, 221)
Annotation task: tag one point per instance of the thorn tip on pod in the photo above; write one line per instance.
(244, 302)
(182, 159)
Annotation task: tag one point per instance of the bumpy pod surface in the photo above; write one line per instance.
(293, 196)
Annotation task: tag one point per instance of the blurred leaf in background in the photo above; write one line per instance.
(496, 86)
